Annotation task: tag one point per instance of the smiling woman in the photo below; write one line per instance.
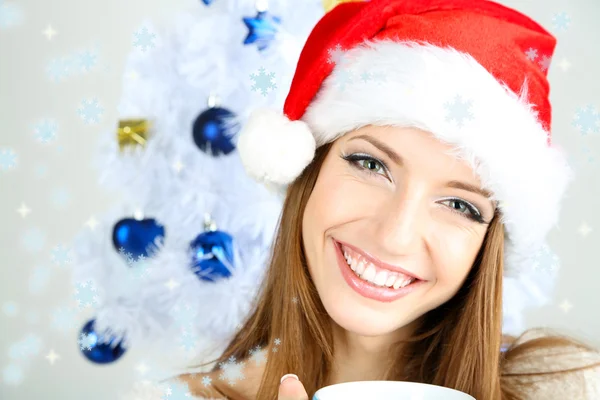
(402, 224)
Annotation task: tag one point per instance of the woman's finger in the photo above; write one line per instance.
(291, 388)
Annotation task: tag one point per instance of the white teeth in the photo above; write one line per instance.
(380, 278)
(390, 280)
(360, 268)
(369, 273)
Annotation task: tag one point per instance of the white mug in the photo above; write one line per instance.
(388, 390)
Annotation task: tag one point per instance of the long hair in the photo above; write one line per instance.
(457, 345)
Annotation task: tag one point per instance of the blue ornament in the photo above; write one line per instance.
(212, 253)
(214, 130)
(136, 237)
(97, 349)
(263, 29)
(207, 2)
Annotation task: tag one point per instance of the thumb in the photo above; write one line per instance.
(291, 388)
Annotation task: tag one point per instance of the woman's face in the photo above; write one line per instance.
(386, 194)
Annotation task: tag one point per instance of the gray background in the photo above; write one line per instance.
(55, 181)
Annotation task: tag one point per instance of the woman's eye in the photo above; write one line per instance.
(460, 206)
(367, 164)
(372, 165)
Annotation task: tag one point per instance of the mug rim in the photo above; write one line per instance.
(391, 383)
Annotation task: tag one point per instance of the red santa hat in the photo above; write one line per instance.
(471, 72)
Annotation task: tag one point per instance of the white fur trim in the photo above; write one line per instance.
(274, 149)
(502, 140)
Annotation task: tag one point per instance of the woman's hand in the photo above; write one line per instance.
(291, 388)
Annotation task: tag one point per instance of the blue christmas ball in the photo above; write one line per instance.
(207, 2)
(97, 349)
(212, 255)
(262, 29)
(214, 130)
(136, 237)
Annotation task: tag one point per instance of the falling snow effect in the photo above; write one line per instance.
(61, 197)
(587, 120)
(72, 65)
(8, 159)
(87, 60)
(10, 308)
(63, 319)
(143, 39)
(561, 21)
(459, 111)
(258, 355)
(232, 371)
(90, 111)
(12, 375)
(10, 15)
(39, 279)
(177, 391)
(25, 349)
(546, 260)
(33, 240)
(263, 81)
(61, 256)
(531, 53)
(86, 294)
(86, 341)
(45, 131)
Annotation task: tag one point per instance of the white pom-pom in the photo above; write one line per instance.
(274, 149)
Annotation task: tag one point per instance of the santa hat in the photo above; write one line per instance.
(471, 72)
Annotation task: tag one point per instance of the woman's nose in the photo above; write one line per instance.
(401, 223)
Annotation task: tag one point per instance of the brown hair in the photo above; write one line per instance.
(444, 351)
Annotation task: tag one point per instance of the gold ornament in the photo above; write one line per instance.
(133, 132)
(329, 5)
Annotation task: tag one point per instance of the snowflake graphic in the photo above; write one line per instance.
(561, 21)
(90, 111)
(24, 349)
(45, 131)
(143, 39)
(544, 63)
(33, 240)
(62, 255)
(41, 170)
(459, 110)
(588, 156)
(546, 260)
(184, 315)
(338, 56)
(188, 341)
(206, 381)
(232, 371)
(277, 341)
(177, 391)
(12, 375)
(258, 355)
(10, 308)
(138, 268)
(531, 53)
(63, 319)
(39, 279)
(86, 294)
(87, 60)
(10, 15)
(87, 341)
(59, 69)
(263, 81)
(8, 159)
(61, 197)
(587, 120)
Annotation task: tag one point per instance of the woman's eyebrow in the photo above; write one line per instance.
(397, 158)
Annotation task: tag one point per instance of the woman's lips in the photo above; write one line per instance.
(367, 289)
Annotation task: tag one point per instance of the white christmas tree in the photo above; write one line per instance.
(171, 180)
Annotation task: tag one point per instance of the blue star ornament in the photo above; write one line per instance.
(263, 29)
